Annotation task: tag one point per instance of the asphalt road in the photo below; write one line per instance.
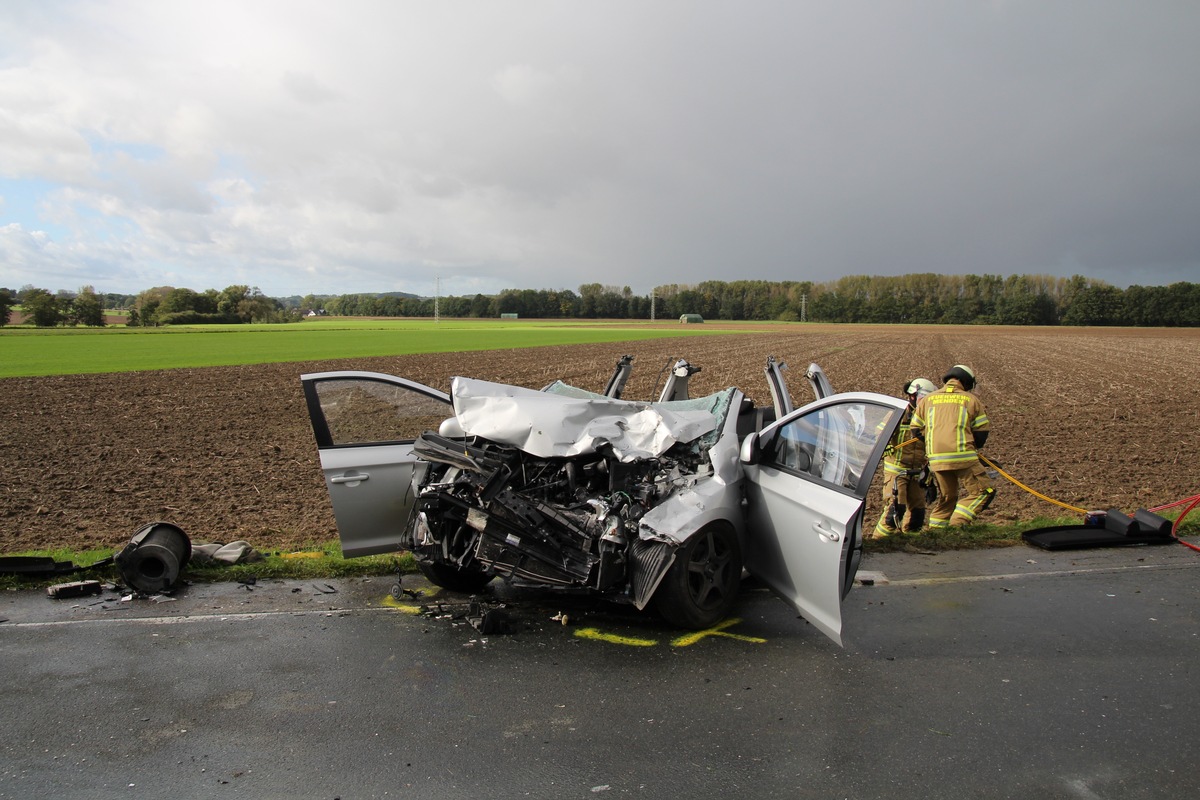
(1013, 673)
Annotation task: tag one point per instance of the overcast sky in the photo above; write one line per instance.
(335, 147)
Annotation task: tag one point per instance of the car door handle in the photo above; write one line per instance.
(833, 536)
(349, 478)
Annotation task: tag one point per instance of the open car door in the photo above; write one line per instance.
(807, 478)
(365, 424)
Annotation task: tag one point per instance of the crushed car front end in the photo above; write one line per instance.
(567, 488)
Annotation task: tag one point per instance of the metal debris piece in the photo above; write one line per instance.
(154, 557)
(495, 621)
(61, 591)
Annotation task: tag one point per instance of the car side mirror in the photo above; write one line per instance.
(751, 451)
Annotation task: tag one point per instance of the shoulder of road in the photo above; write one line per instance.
(350, 595)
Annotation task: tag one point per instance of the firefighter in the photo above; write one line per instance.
(954, 424)
(904, 468)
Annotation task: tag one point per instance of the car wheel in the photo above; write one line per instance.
(702, 585)
(456, 579)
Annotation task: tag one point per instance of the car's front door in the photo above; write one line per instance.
(807, 478)
(365, 424)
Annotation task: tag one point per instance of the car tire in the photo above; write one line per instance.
(456, 579)
(702, 585)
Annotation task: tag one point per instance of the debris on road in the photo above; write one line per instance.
(62, 591)
(154, 557)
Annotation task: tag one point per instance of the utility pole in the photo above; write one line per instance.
(437, 294)
(652, 288)
(804, 308)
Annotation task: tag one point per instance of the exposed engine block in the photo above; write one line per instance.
(570, 522)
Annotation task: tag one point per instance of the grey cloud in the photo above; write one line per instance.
(307, 89)
(368, 146)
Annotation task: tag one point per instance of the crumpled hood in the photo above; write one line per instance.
(550, 425)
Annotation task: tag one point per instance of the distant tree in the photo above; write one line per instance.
(118, 301)
(206, 303)
(449, 307)
(568, 304)
(178, 300)
(7, 301)
(1024, 303)
(148, 304)
(483, 306)
(230, 298)
(256, 307)
(1187, 304)
(828, 306)
(1096, 304)
(42, 307)
(589, 300)
(86, 309)
(149, 312)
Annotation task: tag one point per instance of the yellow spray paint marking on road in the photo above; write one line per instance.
(600, 636)
(407, 608)
(716, 630)
(390, 601)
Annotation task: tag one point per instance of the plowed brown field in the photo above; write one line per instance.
(1092, 417)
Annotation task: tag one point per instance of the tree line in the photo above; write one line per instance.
(916, 298)
(47, 310)
(919, 298)
(161, 305)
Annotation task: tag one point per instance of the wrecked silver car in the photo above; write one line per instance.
(660, 503)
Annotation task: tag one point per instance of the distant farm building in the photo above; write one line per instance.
(689, 319)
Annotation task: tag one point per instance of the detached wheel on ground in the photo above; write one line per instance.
(456, 579)
(701, 586)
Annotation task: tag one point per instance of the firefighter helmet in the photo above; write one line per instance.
(920, 387)
(964, 374)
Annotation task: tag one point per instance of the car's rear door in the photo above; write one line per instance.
(807, 479)
(365, 424)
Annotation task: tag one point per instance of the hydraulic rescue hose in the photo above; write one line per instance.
(1039, 495)
(1011, 479)
(1194, 500)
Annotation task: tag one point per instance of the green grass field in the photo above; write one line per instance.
(72, 351)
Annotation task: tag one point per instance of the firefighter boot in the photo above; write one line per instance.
(916, 521)
(889, 522)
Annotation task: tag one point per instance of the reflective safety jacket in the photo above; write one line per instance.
(949, 419)
(909, 458)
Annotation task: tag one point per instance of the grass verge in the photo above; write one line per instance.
(326, 561)
(983, 535)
